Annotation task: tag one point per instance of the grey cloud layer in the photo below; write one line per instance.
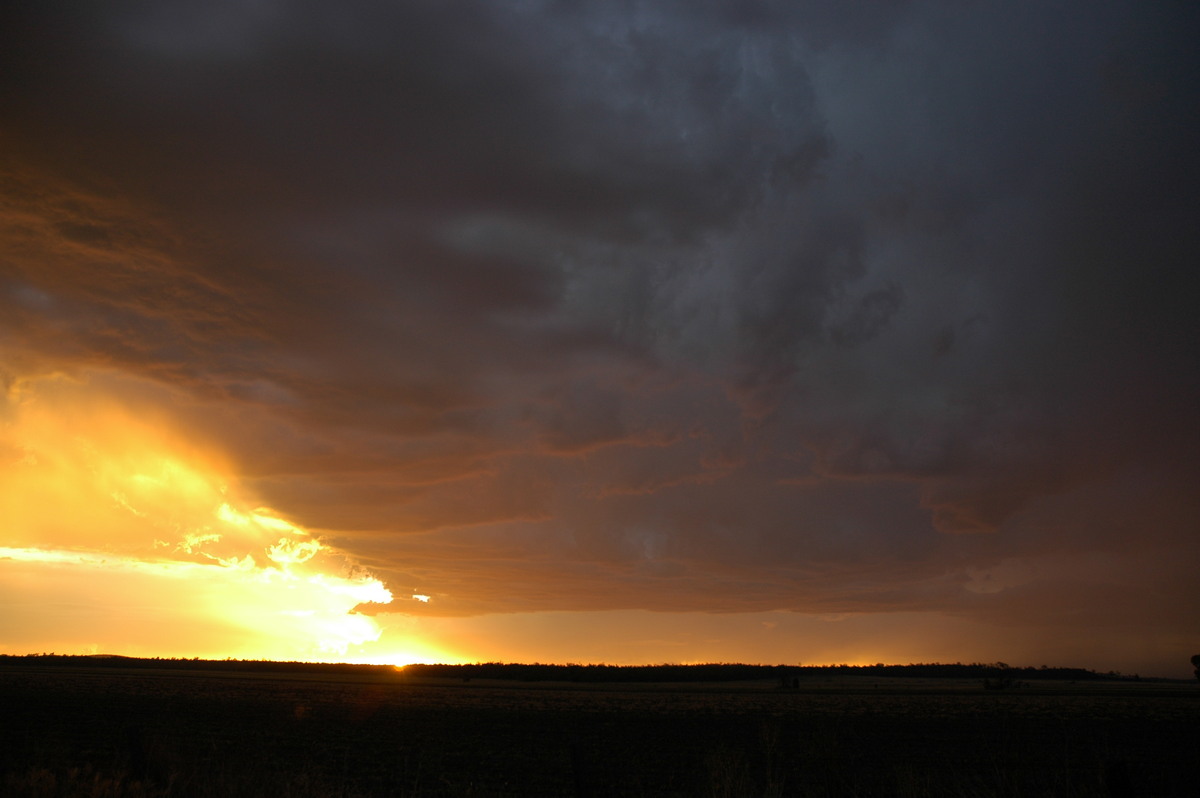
(735, 305)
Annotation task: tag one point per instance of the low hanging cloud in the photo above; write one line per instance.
(715, 306)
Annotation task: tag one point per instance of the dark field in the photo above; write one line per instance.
(113, 732)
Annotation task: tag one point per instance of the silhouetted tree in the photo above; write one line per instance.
(1196, 665)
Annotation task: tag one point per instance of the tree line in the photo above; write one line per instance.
(737, 672)
(541, 672)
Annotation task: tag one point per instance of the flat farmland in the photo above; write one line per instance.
(76, 731)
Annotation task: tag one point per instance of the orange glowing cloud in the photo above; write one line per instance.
(140, 535)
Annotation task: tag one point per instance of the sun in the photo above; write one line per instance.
(148, 544)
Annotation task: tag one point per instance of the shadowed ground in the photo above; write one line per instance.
(80, 731)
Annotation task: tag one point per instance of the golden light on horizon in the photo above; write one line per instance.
(124, 532)
(119, 520)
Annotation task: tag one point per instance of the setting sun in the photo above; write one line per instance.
(150, 543)
(626, 333)
(355, 354)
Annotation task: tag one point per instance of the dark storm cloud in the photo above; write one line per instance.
(734, 305)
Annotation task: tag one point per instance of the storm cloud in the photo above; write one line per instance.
(678, 306)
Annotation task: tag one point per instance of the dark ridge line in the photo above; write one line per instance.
(788, 675)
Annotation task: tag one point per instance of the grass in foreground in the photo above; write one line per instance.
(127, 732)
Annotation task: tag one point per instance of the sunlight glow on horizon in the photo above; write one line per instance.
(116, 518)
(123, 535)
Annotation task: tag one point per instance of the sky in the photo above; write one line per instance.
(628, 332)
